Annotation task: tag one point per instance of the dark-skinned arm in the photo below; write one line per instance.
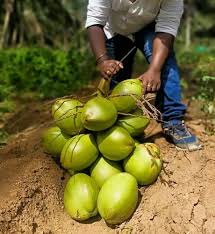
(107, 66)
(97, 41)
(162, 45)
(166, 27)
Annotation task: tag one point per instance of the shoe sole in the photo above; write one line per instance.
(190, 148)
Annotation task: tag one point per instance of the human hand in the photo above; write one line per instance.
(109, 67)
(151, 80)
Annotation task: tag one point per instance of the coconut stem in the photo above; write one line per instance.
(104, 87)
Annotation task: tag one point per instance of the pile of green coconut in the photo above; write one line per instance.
(96, 142)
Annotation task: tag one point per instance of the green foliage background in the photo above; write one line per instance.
(48, 72)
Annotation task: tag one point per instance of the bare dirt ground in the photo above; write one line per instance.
(31, 185)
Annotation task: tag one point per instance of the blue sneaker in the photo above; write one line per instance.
(178, 133)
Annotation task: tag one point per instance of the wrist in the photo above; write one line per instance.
(154, 69)
(102, 58)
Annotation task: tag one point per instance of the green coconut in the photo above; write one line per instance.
(118, 198)
(115, 143)
(53, 140)
(67, 115)
(135, 124)
(125, 94)
(79, 152)
(98, 114)
(80, 197)
(144, 163)
(102, 169)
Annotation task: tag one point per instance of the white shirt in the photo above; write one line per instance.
(125, 18)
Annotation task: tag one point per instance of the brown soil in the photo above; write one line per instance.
(32, 183)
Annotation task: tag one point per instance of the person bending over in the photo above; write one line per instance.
(116, 26)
